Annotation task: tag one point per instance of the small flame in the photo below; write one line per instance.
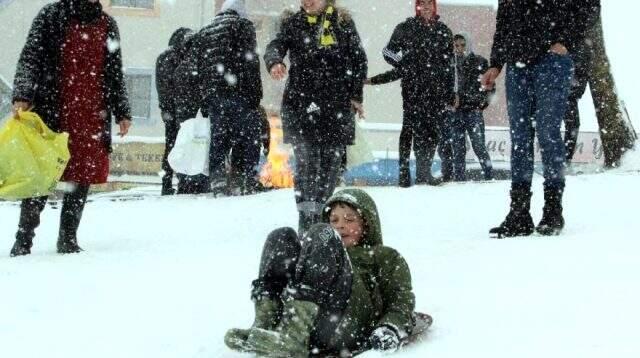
(276, 172)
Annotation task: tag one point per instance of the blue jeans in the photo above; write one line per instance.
(235, 133)
(469, 122)
(537, 101)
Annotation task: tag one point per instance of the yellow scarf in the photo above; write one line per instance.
(326, 36)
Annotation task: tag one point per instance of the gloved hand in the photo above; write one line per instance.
(384, 338)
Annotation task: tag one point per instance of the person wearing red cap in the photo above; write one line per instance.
(421, 49)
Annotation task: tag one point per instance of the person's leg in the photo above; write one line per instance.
(305, 180)
(72, 207)
(474, 123)
(317, 297)
(572, 115)
(445, 146)
(425, 143)
(552, 83)
(277, 267)
(247, 148)
(171, 128)
(404, 149)
(30, 210)
(220, 112)
(330, 162)
(520, 106)
(458, 144)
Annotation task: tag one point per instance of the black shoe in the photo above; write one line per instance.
(518, 222)
(167, 191)
(552, 221)
(21, 248)
(68, 246)
(433, 181)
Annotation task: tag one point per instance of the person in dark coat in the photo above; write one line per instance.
(421, 47)
(228, 68)
(534, 40)
(337, 291)
(166, 86)
(70, 73)
(471, 100)
(327, 68)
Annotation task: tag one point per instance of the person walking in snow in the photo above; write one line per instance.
(327, 68)
(337, 291)
(421, 47)
(166, 85)
(466, 114)
(70, 73)
(534, 40)
(228, 70)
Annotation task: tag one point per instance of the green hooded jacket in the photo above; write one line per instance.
(381, 292)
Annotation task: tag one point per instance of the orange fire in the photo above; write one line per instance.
(276, 172)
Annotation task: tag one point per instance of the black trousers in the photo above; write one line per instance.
(420, 129)
(171, 129)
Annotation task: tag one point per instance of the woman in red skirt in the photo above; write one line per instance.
(70, 73)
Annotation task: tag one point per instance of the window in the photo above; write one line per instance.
(140, 4)
(5, 99)
(139, 89)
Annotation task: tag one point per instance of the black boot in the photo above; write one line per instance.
(167, 185)
(30, 210)
(518, 222)
(72, 207)
(552, 221)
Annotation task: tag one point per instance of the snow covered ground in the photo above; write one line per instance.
(166, 277)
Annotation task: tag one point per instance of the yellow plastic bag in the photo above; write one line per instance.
(32, 157)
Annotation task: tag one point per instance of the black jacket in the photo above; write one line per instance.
(469, 69)
(37, 78)
(423, 52)
(322, 81)
(526, 29)
(166, 66)
(226, 58)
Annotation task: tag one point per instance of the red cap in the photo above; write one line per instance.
(435, 8)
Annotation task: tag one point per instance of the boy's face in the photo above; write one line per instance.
(348, 223)
(313, 7)
(426, 8)
(459, 46)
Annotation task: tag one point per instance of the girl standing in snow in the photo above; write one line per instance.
(337, 291)
(70, 73)
(323, 91)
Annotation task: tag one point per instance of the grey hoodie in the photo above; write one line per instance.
(238, 6)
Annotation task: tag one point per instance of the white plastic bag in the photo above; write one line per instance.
(190, 155)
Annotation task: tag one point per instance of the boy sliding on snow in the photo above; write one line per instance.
(337, 291)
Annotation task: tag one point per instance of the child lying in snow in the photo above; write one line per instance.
(338, 290)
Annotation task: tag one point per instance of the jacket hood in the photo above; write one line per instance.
(238, 6)
(179, 37)
(467, 39)
(364, 204)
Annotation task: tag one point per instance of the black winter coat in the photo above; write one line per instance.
(226, 59)
(423, 52)
(166, 66)
(526, 29)
(37, 78)
(316, 107)
(469, 70)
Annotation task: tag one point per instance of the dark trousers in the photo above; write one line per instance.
(171, 129)
(538, 93)
(315, 178)
(572, 115)
(316, 269)
(420, 129)
(469, 122)
(235, 133)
